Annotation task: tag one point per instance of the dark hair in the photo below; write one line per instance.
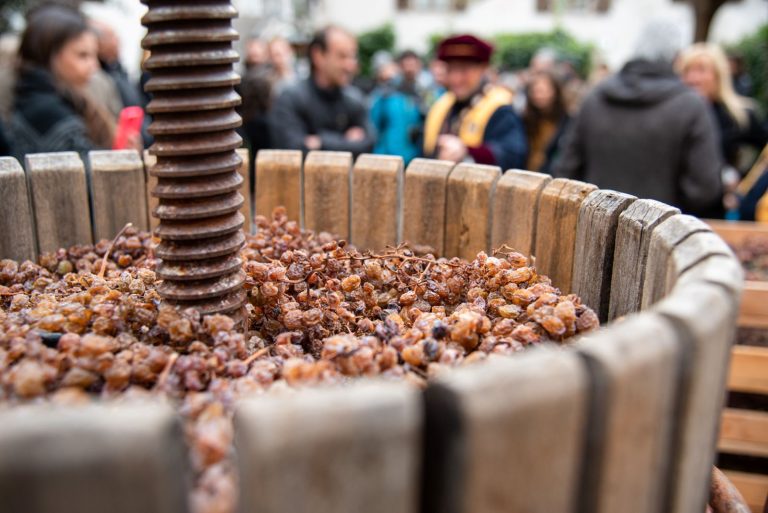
(319, 41)
(534, 116)
(49, 29)
(408, 54)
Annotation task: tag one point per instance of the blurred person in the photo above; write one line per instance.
(5, 145)
(742, 82)
(474, 120)
(705, 68)
(645, 133)
(256, 53)
(437, 72)
(544, 60)
(396, 111)
(385, 69)
(109, 61)
(283, 62)
(545, 119)
(753, 190)
(412, 72)
(256, 92)
(52, 109)
(9, 47)
(323, 112)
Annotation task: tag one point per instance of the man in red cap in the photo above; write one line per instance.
(473, 121)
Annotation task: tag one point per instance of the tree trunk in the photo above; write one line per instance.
(704, 11)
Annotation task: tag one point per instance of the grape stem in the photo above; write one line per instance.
(103, 269)
(166, 371)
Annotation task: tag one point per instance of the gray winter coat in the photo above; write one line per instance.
(645, 133)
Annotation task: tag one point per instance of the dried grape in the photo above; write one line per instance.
(319, 311)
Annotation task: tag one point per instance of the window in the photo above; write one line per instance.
(432, 5)
(573, 6)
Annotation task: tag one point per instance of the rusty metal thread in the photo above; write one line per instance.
(194, 120)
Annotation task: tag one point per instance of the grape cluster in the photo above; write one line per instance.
(318, 311)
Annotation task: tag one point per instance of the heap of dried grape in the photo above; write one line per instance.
(753, 254)
(318, 312)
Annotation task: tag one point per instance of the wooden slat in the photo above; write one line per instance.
(754, 305)
(327, 185)
(634, 387)
(491, 449)
(693, 250)
(468, 218)
(338, 450)
(665, 238)
(633, 238)
(749, 370)
(515, 207)
(754, 488)
(377, 183)
(118, 192)
(556, 229)
(59, 199)
(735, 232)
(151, 182)
(595, 242)
(92, 459)
(246, 190)
(744, 432)
(721, 270)
(704, 317)
(17, 223)
(424, 205)
(278, 182)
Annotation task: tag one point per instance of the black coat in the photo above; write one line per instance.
(645, 133)
(5, 145)
(732, 136)
(304, 109)
(43, 120)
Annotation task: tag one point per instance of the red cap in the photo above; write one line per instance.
(465, 48)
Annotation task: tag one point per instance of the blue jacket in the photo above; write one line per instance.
(398, 120)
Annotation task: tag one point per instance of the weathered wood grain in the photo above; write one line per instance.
(377, 183)
(748, 370)
(424, 206)
(333, 450)
(493, 446)
(59, 199)
(118, 192)
(630, 256)
(634, 371)
(595, 245)
(664, 239)
(694, 249)
(92, 459)
(704, 317)
(469, 203)
(556, 225)
(278, 182)
(327, 188)
(18, 239)
(515, 207)
(721, 270)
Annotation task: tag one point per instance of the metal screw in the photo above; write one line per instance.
(194, 120)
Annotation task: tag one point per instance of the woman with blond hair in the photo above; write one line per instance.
(705, 68)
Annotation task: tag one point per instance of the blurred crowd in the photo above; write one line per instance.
(675, 123)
